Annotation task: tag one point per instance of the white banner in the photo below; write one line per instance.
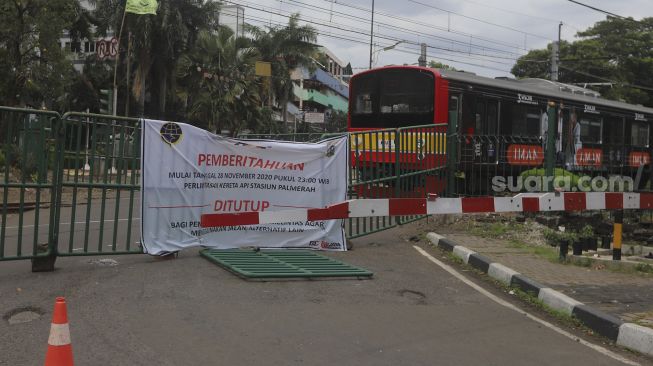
(188, 172)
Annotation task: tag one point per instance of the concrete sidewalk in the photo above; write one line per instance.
(613, 298)
(628, 296)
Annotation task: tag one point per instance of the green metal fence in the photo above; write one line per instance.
(70, 183)
(27, 157)
(99, 183)
(403, 162)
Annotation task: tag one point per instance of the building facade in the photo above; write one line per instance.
(319, 93)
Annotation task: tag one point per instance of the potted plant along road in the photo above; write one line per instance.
(562, 238)
(588, 238)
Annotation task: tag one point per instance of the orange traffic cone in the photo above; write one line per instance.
(60, 351)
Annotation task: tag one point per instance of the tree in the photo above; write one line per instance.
(34, 66)
(218, 83)
(440, 65)
(615, 51)
(286, 48)
(84, 91)
(158, 41)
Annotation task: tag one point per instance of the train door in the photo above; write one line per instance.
(453, 142)
(486, 118)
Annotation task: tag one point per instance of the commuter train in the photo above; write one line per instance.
(495, 126)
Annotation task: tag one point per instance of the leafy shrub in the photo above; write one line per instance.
(560, 176)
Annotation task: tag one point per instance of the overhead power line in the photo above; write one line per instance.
(648, 88)
(481, 20)
(395, 27)
(390, 38)
(432, 26)
(597, 9)
(415, 51)
(459, 55)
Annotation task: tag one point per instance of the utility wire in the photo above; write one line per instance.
(481, 20)
(405, 51)
(392, 26)
(648, 88)
(463, 54)
(453, 31)
(597, 9)
(390, 38)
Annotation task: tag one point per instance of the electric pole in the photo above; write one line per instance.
(422, 57)
(554, 61)
(371, 33)
(555, 56)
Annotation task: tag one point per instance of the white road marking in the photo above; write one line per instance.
(499, 301)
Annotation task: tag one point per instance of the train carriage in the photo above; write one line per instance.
(498, 127)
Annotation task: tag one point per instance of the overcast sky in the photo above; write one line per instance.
(480, 36)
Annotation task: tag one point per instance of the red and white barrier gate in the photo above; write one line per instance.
(525, 202)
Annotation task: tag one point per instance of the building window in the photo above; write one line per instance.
(75, 46)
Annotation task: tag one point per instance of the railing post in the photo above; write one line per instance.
(549, 155)
(397, 147)
(451, 151)
(46, 263)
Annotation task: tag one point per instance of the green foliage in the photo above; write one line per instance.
(218, 83)
(615, 49)
(587, 231)
(157, 43)
(286, 48)
(2, 158)
(439, 65)
(34, 67)
(643, 267)
(337, 122)
(554, 237)
(560, 176)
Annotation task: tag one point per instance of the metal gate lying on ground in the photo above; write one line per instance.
(281, 264)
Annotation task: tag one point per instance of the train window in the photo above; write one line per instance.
(391, 98)
(492, 113)
(406, 93)
(525, 120)
(480, 114)
(590, 129)
(453, 103)
(363, 101)
(639, 134)
(614, 130)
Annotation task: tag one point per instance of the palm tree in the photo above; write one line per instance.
(286, 48)
(158, 41)
(218, 84)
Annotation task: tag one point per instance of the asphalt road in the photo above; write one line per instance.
(187, 311)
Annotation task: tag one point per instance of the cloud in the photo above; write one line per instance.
(474, 35)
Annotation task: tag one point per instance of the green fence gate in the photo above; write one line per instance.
(69, 185)
(405, 162)
(27, 159)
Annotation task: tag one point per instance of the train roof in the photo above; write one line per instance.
(544, 88)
